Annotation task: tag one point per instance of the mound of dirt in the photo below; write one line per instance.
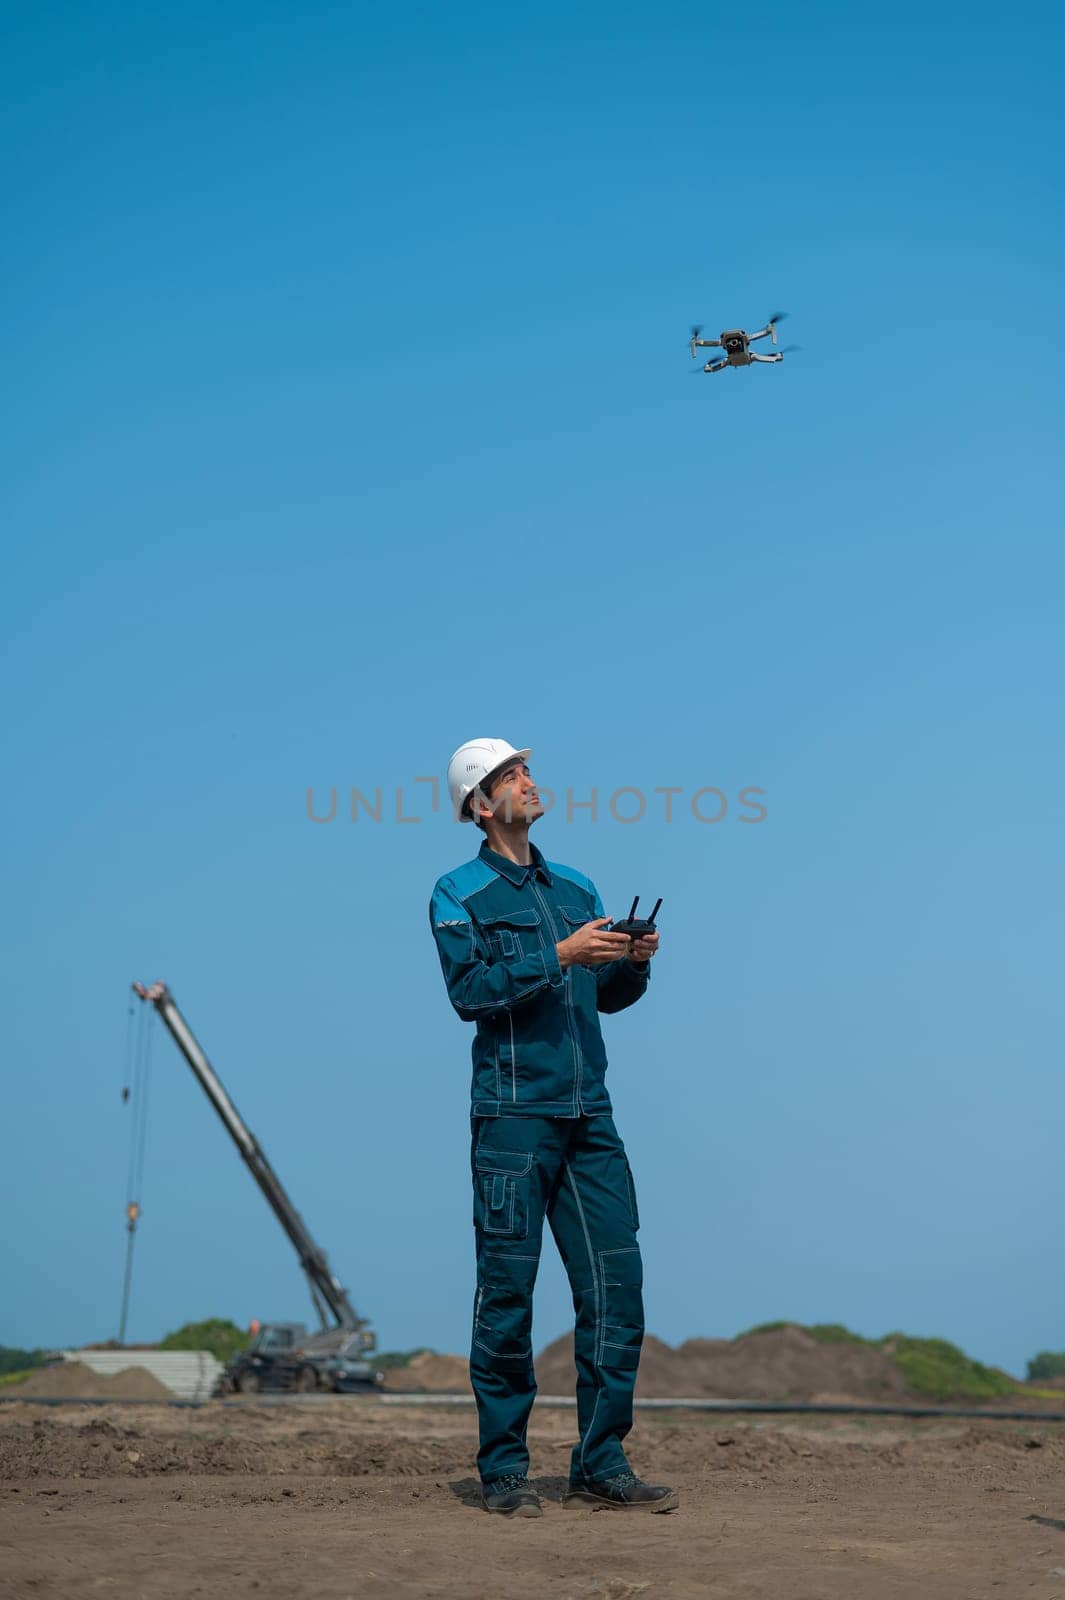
(214, 1446)
(780, 1364)
(431, 1373)
(73, 1380)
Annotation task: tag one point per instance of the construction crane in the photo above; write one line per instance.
(282, 1354)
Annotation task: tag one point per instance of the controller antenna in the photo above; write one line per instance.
(632, 914)
(654, 913)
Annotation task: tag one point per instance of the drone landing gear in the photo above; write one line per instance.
(756, 357)
(770, 329)
(715, 366)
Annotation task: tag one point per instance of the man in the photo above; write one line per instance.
(529, 957)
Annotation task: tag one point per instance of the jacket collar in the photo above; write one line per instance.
(511, 869)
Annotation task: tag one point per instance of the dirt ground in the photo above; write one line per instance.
(337, 1497)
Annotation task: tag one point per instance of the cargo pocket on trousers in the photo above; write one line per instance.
(621, 1278)
(502, 1322)
(501, 1192)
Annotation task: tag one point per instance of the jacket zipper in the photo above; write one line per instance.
(513, 1062)
(578, 1059)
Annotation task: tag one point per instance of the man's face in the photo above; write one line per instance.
(513, 796)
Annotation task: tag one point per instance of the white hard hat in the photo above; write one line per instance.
(472, 763)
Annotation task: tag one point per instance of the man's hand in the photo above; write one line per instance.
(593, 946)
(644, 947)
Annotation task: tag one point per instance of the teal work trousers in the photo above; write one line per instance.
(574, 1172)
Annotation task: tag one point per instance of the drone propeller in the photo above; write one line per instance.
(790, 348)
(697, 329)
(778, 316)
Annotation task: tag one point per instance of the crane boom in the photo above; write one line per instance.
(330, 1298)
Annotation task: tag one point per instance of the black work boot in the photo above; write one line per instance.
(624, 1491)
(512, 1495)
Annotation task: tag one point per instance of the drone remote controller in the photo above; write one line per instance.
(636, 926)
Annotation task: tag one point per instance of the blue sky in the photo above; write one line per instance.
(349, 416)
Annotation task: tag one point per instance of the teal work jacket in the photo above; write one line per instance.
(538, 1050)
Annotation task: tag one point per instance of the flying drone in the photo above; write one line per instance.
(736, 343)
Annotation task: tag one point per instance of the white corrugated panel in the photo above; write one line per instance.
(188, 1374)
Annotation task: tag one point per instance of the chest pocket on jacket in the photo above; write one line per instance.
(513, 934)
(582, 979)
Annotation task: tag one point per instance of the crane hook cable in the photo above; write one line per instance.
(136, 1092)
(131, 1097)
(142, 1132)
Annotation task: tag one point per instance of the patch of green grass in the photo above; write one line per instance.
(825, 1332)
(15, 1377)
(836, 1333)
(216, 1334)
(388, 1359)
(937, 1368)
(20, 1361)
(1047, 1364)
